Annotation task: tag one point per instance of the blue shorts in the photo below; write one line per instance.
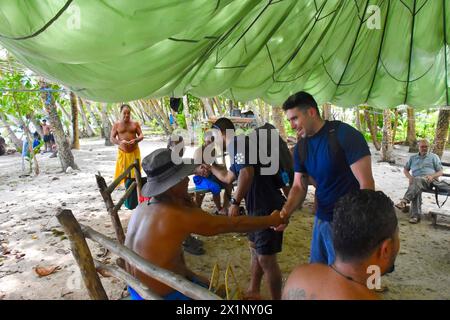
(175, 295)
(322, 248)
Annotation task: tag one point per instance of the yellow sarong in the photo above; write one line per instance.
(124, 160)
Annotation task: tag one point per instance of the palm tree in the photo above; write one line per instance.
(75, 129)
(441, 132)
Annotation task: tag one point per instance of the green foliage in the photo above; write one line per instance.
(289, 131)
(154, 128)
(181, 120)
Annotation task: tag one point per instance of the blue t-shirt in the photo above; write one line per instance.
(264, 194)
(333, 176)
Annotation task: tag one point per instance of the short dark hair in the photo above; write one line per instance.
(125, 106)
(223, 124)
(362, 220)
(44, 120)
(302, 100)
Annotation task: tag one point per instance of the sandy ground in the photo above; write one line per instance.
(30, 234)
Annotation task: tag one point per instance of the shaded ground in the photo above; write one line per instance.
(29, 232)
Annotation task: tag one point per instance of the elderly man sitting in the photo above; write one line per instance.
(425, 168)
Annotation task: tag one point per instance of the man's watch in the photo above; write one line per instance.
(234, 202)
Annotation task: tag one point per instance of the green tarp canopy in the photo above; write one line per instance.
(383, 53)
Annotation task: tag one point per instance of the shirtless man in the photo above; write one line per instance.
(127, 134)
(48, 137)
(158, 228)
(365, 233)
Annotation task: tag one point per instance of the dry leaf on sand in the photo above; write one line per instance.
(45, 271)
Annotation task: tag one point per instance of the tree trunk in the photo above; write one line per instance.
(357, 119)
(326, 111)
(11, 135)
(262, 111)
(411, 139)
(394, 130)
(219, 106)
(257, 113)
(106, 125)
(266, 111)
(441, 132)
(188, 117)
(67, 119)
(160, 116)
(64, 153)
(387, 147)
(208, 107)
(75, 128)
(230, 106)
(277, 114)
(91, 112)
(89, 131)
(372, 128)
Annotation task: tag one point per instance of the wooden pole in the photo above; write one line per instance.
(125, 196)
(110, 207)
(82, 255)
(116, 182)
(118, 273)
(138, 177)
(167, 277)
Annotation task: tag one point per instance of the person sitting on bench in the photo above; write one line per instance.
(158, 227)
(366, 241)
(208, 179)
(426, 168)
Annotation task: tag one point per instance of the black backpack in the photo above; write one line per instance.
(333, 143)
(285, 174)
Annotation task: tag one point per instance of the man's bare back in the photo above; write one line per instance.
(158, 224)
(321, 282)
(156, 232)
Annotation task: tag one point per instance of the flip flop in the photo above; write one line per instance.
(401, 205)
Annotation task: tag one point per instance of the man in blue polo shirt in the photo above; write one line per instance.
(336, 156)
(262, 196)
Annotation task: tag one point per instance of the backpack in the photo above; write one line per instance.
(333, 143)
(440, 188)
(285, 174)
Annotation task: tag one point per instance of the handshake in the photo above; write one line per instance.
(281, 220)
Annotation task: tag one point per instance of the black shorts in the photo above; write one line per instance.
(47, 138)
(266, 242)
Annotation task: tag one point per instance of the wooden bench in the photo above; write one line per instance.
(434, 214)
(90, 268)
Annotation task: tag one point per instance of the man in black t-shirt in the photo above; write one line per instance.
(262, 196)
